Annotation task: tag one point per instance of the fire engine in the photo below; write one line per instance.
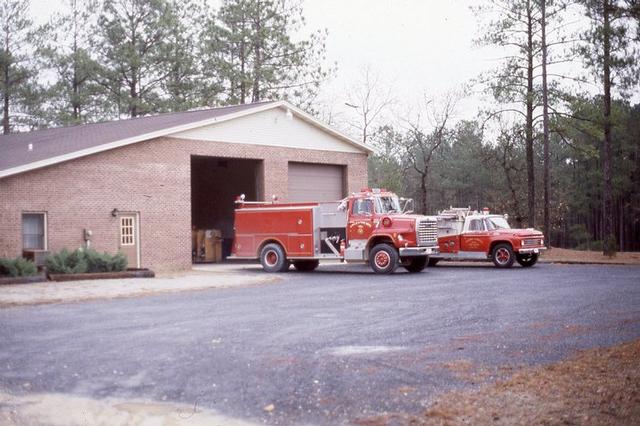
(370, 226)
(466, 234)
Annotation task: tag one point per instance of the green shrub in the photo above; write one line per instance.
(65, 262)
(8, 268)
(25, 267)
(81, 261)
(590, 246)
(17, 267)
(119, 262)
(105, 262)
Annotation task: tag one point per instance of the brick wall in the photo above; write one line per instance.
(151, 178)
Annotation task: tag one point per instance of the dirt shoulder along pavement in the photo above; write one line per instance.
(598, 386)
(560, 255)
(40, 409)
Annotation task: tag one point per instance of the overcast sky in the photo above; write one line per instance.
(417, 46)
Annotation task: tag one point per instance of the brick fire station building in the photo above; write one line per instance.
(140, 185)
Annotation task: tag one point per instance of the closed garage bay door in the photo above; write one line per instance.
(315, 182)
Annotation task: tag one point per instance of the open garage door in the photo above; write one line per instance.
(315, 182)
(215, 184)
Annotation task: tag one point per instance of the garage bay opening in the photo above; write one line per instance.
(215, 184)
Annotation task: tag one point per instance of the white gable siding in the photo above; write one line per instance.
(272, 128)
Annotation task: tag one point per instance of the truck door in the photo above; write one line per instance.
(474, 237)
(360, 224)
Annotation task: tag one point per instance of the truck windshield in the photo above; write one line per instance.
(386, 205)
(497, 223)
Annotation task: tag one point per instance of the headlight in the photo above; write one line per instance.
(400, 237)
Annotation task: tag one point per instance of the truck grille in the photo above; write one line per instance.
(530, 242)
(427, 232)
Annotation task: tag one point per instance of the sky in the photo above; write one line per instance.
(417, 47)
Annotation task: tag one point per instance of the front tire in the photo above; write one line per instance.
(416, 264)
(273, 259)
(383, 259)
(527, 260)
(305, 265)
(503, 256)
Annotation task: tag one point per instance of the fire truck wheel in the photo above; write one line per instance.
(416, 264)
(305, 265)
(503, 256)
(273, 259)
(383, 259)
(433, 261)
(527, 260)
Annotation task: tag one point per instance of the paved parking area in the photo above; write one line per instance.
(327, 347)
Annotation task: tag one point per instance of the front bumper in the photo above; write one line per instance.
(418, 251)
(534, 250)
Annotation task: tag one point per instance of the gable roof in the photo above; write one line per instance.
(21, 152)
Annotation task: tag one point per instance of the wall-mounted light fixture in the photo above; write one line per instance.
(114, 212)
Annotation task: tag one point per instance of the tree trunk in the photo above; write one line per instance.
(531, 185)
(133, 92)
(5, 111)
(608, 237)
(257, 61)
(6, 128)
(423, 191)
(545, 120)
(243, 80)
(75, 85)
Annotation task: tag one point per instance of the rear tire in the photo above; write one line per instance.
(305, 265)
(433, 262)
(527, 260)
(383, 259)
(503, 256)
(273, 259)
(416, 264)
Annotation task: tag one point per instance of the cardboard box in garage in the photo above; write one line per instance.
(213, 246)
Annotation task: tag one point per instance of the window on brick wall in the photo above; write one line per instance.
(127, 236)
(34, 231)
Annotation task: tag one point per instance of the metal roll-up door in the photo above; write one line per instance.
(315, 182)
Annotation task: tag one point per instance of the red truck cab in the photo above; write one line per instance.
(369, 226)
(470, 235)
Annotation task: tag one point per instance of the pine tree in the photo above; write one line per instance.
(607, 52)
(74, 97)
(251, 46)
(18, 85)
(182, 87)
(132, 45)
(513, 86)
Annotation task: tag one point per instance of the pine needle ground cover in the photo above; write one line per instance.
(599, 386)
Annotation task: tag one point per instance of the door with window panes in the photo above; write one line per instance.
(128, 242)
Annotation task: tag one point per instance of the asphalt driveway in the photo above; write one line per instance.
(321, 348)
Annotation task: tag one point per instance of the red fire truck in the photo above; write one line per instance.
(466, 234)
(369, 226)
